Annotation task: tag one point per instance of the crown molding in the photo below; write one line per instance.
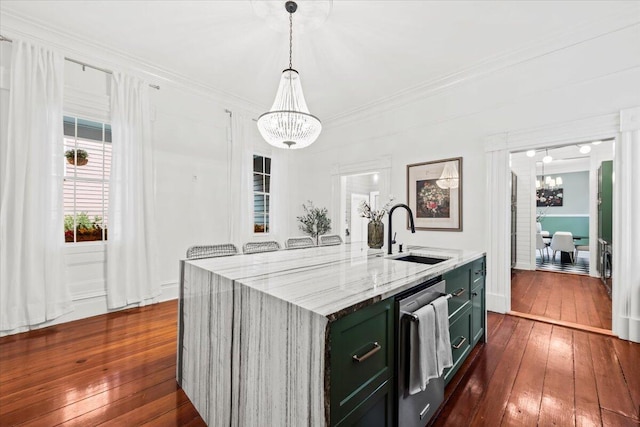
(576, 131)
(15, 25)
(585, 32)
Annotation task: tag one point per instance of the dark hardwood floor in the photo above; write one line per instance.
(119, 369)
(565, 297)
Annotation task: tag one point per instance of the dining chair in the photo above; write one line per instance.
(210, 251)
(330, 240)
(257, 247)
(541, 246)
(563, 241)
(299, 242)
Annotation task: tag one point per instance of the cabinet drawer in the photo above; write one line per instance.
(477, 272)
(361, 356)
(458, 283)
(460, 334)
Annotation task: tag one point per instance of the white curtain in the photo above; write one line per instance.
(131, 250)
(33, 286)
(241, 215)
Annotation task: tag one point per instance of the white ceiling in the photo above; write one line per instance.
(364, 52)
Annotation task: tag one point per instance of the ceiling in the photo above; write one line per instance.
(363, 53)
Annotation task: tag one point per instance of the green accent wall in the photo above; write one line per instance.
(577, 225)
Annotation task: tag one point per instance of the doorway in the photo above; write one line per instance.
(356, 189)
(559, 227)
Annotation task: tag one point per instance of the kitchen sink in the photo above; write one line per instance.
(421, 259)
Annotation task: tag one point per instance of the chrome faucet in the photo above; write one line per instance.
(390, 239)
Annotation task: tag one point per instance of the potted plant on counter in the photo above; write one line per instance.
(77, 157)
(315, 221)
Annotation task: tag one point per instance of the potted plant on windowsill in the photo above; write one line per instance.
(77, 157)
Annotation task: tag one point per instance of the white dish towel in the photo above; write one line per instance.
(443, 341)
(423, 364)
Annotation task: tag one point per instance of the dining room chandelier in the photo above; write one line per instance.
(289, 124)
(548, 182)
(449, 177)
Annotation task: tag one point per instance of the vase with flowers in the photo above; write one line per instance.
(375, 228)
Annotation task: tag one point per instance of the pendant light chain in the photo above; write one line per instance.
(290, 39)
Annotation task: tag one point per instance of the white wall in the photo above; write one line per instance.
(586, 79)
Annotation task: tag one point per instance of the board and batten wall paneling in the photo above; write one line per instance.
(522, 166)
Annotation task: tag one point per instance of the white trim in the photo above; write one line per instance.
(566, 215)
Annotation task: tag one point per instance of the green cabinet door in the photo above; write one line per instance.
(375, 411)
(605, 200)
(361, 357)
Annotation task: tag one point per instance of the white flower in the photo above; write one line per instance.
(374, 215)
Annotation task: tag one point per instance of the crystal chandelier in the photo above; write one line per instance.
(288, 124)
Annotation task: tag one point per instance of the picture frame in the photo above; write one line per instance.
(434, 194)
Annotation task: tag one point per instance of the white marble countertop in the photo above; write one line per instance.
(330, 280)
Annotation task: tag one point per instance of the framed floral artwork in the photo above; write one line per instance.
(434, 193)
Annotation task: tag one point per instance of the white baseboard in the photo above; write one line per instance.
(497, 303)
(524, 266)
(627, 328)
(91, 304)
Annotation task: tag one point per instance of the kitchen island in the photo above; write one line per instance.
(255, 330)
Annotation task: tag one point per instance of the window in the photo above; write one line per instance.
(87, 147)
(261, 193)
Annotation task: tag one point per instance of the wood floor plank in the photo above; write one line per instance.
(612, 419)
(628, 354)
(586, 392)
(567, 300)
(554, 302)
(523, 406)
(557, 406)
(613, 391)
(539, 305)
(494, 401)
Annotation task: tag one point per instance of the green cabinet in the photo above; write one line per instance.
(361, 363)
(478, 300)
(605, 201)
(466, 310)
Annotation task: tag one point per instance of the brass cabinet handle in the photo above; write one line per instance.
(462, 341)
(458, 292)
(376, 348)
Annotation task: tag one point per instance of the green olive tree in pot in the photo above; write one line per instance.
(315, 221)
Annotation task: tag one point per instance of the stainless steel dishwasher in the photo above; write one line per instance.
(417, 409)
